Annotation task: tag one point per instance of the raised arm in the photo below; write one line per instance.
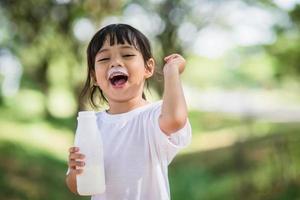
(174, 109)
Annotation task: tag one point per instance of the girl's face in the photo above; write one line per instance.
(120, 71)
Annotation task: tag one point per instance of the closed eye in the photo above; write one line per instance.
(128, 55)
(102, 59)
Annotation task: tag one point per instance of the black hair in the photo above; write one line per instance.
(117, 33)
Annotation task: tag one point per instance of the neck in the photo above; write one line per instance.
(117, 107)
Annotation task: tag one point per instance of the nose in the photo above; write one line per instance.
(116, 61)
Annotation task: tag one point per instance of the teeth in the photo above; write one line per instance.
(115, 71)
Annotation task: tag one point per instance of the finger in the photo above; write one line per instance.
(169, 56)
(74, 156)
(76, 171)
(78, 164)
(73, 164)
(73, 149)
(172, 55)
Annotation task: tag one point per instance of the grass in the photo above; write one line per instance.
(31, 175)
(262, 168)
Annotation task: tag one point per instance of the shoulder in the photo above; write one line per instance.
(152, 108)
(154, 105)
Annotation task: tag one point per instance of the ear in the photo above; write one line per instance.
(149, 69)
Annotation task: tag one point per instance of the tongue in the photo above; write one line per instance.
(119, 82)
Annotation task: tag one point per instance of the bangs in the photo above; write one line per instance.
(116, 35)
(121, 37)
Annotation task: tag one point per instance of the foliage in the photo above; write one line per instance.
(37, 123)
(264, 168)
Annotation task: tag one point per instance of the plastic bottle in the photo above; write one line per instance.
(89, 141)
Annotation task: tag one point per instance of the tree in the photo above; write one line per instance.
(42, 34)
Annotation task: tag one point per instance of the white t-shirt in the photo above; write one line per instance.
(137, 154)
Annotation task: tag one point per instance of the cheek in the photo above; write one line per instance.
(138, 69)
(141, 73)
(100, 75)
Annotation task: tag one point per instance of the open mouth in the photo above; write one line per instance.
(118, 79)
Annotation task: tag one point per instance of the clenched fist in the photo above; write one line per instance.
(174, 61)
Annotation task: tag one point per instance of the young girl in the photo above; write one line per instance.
(140, 139)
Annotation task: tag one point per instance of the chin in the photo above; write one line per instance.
(124, 94)
(121, 97)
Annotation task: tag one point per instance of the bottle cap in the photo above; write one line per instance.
(86, 114)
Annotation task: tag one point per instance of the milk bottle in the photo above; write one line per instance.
(88, 139)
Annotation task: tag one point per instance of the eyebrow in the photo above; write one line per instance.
(126, 47)
(122, 47)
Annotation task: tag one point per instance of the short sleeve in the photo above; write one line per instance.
(169, 146)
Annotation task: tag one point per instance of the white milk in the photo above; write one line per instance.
(88, 139)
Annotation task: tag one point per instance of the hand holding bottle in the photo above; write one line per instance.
(76, 161)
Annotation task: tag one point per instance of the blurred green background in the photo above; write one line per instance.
(241, 84)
